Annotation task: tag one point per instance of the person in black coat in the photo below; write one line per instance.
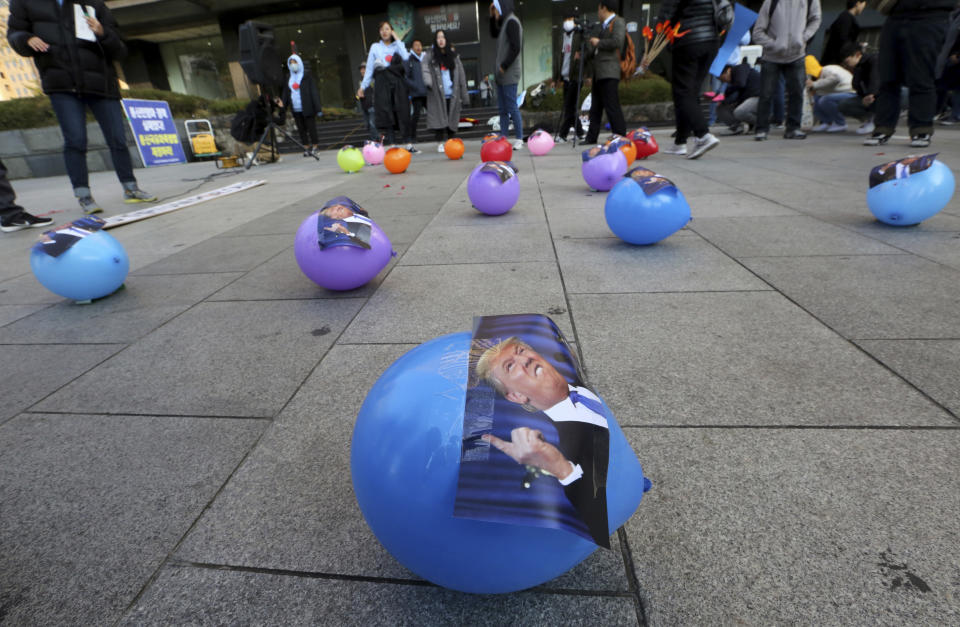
(741, 96)
(415, 87)
(692, 55)
(910, 40)
(301, 97)
(844, 29)
(75, 62)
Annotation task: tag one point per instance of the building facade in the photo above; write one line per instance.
(18, 76)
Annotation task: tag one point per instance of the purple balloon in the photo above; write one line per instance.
(340, 267)
(489, 194)
(603, 171)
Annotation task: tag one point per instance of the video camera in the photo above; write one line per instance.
(583, 25)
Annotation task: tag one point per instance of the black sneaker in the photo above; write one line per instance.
(23, 220)
(920, 140)
(794, 133)
(877, 139)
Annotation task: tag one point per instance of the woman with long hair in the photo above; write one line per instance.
(386, 68)
(446, 85)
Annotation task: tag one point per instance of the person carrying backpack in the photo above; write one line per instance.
(692, 55)
(604, 49)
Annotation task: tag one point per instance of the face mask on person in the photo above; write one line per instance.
(294, 67)
(568, 25)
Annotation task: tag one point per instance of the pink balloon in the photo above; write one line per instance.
(373, 153)
(540, 143)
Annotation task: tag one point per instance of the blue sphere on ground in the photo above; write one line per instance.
(637, 218)
(405, 460)
(911, 200)
(94, 267)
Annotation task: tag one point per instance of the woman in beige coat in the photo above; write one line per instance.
(446, 85)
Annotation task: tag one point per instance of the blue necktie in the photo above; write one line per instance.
(594, 406)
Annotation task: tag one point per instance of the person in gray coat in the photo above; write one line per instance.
(603, 49)
(783, 28)
(446, 84)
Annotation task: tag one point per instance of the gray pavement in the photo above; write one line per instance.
(785, 367)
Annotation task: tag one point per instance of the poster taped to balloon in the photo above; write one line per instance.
(343, 223)
(60, 240)
(535, 439)
(901, 168)
(650, 182)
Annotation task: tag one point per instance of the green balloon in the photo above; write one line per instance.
(350, 159)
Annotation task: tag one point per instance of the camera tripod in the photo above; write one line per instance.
(271, 132)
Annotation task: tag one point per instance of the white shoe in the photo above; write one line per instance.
(559, 140)
(866, 128)
(518, 145)
(440, 148)
(837, 128)
(676, 149)
(702, 145)
(819, 128)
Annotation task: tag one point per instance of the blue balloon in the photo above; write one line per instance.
(405, 459)
(911, 200)
(94, 267)
(637, 218)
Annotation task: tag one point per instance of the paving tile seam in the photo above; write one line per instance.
(310, 574)
(904, 253)
(559, 267)
(473, 263)
(633, 582)
(142, 415)
(775, 427)
(166, 559)
(743, 291)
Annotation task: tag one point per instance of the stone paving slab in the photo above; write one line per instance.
(735, 359)
(930, 365)
(12, 313)
(419, 303)
(489, 243)
(29, 373)
(93, 504)
(183, 594)
(838, 527)
(784, 237)
(679, 263)
(733, 205)
(877, 297)
(220, 254)
(218, 359)
(143, 305)
(287, 507)
(26, 290)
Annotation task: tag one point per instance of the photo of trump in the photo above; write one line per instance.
(544, 433)
(342, 222)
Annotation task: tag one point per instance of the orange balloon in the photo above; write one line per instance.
(629, 151)
(454, 148)
(396, 160)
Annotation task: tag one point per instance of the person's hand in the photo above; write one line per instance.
(337, 228)
(868, 100)
(38, 45)
(527, 446)
(954, 59)
(500, 70)
(94, 25)
(576, 55)
(359, 93)
(809, 83)
(594, 41)
(493, 10)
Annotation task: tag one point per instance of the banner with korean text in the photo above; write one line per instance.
(154, 131)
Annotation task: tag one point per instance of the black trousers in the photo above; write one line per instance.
(908, 54)
(605, 97)
(418, 103)
(8, 205)
(306, 127)
(690, 66)
(440, 134)
(569, 117)
(793, 74)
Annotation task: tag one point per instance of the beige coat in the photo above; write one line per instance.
(438, 116)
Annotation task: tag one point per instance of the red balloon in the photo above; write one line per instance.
(644, 142)
(496, 150)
